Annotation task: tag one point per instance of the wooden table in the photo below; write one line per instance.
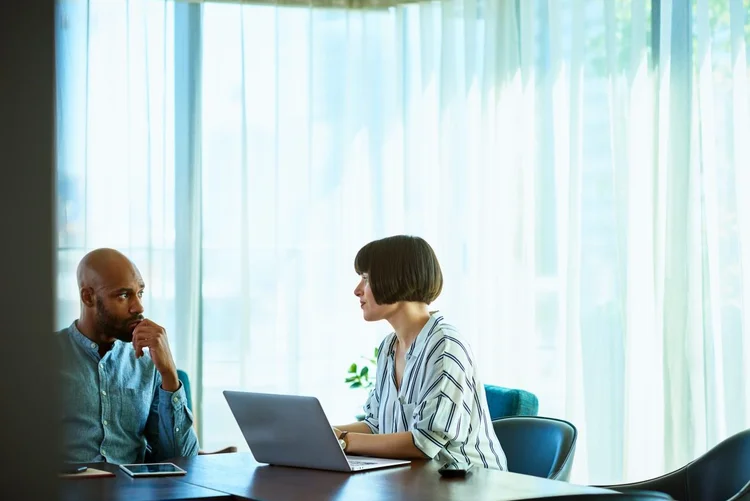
(238, 476)
(122, 487)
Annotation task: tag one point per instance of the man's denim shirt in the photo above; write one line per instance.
(114, 409)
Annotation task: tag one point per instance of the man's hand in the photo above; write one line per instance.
(148, 334)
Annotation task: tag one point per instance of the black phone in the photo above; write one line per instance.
(454, 470)
(71, 469)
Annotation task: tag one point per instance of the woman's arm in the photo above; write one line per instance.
(387, 445)
(358, 427)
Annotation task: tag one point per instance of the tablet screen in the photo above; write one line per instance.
(153, 468)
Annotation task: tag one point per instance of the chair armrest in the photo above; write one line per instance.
(647, 493)
(225, 450)
(743, 495)
(674, 484)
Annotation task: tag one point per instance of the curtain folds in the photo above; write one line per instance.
(580, 167)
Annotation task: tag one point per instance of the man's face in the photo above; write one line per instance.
(118, 306)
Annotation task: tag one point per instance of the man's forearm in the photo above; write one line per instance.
(388, 445)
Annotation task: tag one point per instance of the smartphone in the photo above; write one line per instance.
(453, 470)
(152, 469)
(72, 469)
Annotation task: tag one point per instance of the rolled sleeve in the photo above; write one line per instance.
(171, 425)
(443, 415)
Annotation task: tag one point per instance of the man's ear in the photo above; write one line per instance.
(87, 297)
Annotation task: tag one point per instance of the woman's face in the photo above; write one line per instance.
(371, 310)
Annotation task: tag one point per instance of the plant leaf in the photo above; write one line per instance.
(356, 385)
(364, 372)
(351, 379)
(353, 368)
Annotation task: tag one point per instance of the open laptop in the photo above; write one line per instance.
(290, 430)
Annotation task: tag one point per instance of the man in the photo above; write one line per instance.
(120, 402)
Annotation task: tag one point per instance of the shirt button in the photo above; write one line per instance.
(104, 453)
(101, 366)
(175, 400)
(93, 345)
(104, 393)
(177, 429)
(104, 422)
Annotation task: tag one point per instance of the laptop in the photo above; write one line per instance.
(292, 430)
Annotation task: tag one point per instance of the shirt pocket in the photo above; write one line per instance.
(135, 405)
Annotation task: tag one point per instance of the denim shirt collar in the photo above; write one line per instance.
(86, 344)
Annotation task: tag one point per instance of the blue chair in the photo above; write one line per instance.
(721, 474)
(504, 402)
(539, 446)
(640, 496)
(185, 380)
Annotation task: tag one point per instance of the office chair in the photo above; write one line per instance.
(185, 380)
(721, 474)
(632, 496)
(503, 402)
(539, 446)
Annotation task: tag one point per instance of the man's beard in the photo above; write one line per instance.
(109, 326)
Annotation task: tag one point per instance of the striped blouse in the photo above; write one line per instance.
(441, 400)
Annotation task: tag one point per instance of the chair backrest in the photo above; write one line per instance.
(723, 472)
(185, 380)
(504, 402)
(539, 446)
(630, 496)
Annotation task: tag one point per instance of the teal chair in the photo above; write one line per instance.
(553, 445)
(504, 402)
(185, 380)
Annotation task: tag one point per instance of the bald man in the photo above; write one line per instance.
(122, 405)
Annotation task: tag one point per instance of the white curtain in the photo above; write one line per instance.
(579, 166)
(115, 143)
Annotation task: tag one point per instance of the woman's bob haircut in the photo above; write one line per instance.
(400, 268)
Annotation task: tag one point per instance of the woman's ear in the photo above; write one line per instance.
(87, 296)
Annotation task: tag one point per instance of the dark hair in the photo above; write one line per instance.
(400, 268)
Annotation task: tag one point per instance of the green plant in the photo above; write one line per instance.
(359, 376)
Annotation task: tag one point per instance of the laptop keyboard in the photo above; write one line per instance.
(360, 462)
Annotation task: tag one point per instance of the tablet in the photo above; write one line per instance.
(152, 469)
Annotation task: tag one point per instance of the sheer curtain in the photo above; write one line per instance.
(115, 143)
(580, 168)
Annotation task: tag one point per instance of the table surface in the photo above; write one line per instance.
(239, 476)
(123, 487)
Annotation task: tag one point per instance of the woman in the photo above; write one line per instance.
(428, 401)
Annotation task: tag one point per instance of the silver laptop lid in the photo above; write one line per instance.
(287, 430)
